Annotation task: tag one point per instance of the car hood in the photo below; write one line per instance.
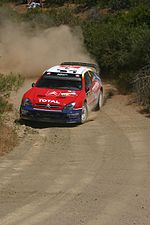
(42, 97)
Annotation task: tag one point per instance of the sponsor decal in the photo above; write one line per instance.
(70, 66)
(95, 87)
(68, 94)
(52, 93)
(41, 100)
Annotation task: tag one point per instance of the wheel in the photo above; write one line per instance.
(84, 114)
(100, 101)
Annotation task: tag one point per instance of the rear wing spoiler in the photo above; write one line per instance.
(91, 65)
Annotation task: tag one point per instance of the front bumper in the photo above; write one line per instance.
(64, 116)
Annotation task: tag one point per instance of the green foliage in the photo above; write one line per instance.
(114, 4)
(119, 4)
(90, 3)
(146, 98)
(124, 82)
(4, 105)
(7, 14)
(137, 16)
(119, 40)
(3, 2)
(62, 2)
(52, 17)
(55, 2)
(10, 82)
(147, 94)
(120, 44)
(63, 16)
(142, 86)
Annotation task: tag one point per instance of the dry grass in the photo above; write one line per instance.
(8, 139)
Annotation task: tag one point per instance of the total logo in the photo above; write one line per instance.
(41, 100)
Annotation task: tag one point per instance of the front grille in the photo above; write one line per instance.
(48, 106)
(48, 115)
(45, 114)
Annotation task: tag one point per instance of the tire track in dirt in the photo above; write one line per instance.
(96, 173)
(64, 183)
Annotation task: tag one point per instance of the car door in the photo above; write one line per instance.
(95, 88)
(88, 89)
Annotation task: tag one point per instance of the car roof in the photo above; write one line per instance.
(74, 69)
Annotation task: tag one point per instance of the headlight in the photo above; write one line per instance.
(26, 102)
(70, 106)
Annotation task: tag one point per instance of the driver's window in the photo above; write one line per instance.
(88, 81)
(91, 74)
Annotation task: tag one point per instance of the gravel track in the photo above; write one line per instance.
(94, 174)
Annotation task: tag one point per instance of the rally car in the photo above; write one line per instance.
(64, 93)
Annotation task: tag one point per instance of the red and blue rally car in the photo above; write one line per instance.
(64, 93)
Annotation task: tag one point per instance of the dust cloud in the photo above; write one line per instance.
(31, 51)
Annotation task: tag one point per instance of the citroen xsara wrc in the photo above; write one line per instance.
(64, 93)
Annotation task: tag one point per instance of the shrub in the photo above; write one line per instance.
(63, 16)
(142, 86)
(4, 105)
(56, 2)
(118, 43)
(109, 43)
(119, 4)
(8, 14)
(8, 83)
(124, 82)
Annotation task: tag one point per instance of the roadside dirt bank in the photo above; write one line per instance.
(94, 174)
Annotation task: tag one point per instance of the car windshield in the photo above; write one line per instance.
(60, 81)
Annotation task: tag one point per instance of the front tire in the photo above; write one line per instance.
(84, 114)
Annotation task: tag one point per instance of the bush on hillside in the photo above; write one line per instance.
(10, 82)
(114, 4)
(3, 2)
(4, 105)
(55, 2)
(142, 86)
(119, 4)
(119, 44)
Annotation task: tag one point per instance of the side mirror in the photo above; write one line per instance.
(33, 84)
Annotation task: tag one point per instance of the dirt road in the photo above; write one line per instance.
(94, 174)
